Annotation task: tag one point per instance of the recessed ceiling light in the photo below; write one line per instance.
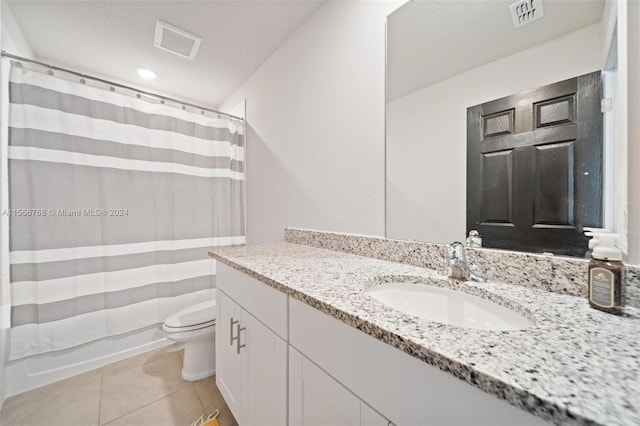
(147, 74)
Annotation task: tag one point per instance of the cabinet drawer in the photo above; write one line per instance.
(263, 302)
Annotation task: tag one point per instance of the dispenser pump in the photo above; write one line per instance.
(593, 241)
(606, 273)
(606, 247)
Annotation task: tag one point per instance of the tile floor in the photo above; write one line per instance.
(143, 390)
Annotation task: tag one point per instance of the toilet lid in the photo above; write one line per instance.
(199, 314)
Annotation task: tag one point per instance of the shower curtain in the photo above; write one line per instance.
(113, 204)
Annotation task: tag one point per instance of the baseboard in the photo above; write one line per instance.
(39, 370)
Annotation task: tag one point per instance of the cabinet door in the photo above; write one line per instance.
(316, 399)
(264, 374)
(370, 417)
(228, 361)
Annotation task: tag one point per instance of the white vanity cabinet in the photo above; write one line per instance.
(401, 388)
(317, 399)
(281, 362)
(251, 348)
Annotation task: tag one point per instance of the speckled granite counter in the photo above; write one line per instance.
(576, 365)
(559, 274)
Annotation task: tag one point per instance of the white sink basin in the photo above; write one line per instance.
(448, 307)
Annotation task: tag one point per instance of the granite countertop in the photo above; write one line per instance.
(575, 365)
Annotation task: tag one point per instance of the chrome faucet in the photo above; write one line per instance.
(457, 265)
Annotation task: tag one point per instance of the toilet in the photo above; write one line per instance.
(195, 328)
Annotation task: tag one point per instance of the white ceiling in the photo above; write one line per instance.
(114, 38)
(431, 40)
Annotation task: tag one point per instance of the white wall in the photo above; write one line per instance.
(426, 132)
(315, 114)
(13, 40)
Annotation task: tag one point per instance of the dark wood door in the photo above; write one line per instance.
(534, 167)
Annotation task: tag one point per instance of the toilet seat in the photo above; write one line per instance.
(197, 317)
(172, 330)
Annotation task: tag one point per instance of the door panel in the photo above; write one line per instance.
(500, 123)
(555, 111)
(228, 362)
(553, 186)
(498, 188)
(265, 374)
(534, 167)
(370, 417)
(316, 398)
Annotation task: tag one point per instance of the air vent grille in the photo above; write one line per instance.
(526, 11)
(176, 40)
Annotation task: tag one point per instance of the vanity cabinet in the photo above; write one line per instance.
(317, 399)
(251, 348)
(400, 387)
(281, 362)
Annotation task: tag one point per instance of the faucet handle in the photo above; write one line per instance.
(457, 266)
(456, 251)
(474, 239)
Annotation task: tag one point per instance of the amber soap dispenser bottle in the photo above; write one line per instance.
(606, 272)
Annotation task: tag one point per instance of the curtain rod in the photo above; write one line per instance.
(111, 83)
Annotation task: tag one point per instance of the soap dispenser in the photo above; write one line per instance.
(606, 272)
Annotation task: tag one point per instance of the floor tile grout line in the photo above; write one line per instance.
(35, 397)
(181, 387)
(199, 397)
(102, 375)
(100, 395)
(142, 406)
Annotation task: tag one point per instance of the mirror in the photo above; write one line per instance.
(446, 56)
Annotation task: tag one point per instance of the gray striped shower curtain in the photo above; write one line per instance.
(113, 204)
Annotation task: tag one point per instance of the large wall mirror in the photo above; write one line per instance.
(446, 56)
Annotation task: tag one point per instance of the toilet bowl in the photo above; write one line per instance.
(195, 328)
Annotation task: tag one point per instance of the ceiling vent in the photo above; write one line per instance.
(526, 11)
(176, 40)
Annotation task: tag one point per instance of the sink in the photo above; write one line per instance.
(448, 306)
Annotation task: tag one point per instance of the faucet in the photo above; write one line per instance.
(457, 266)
